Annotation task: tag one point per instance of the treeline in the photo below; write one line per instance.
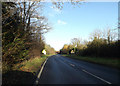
(103, 44)
(49, 49)
(22, 32)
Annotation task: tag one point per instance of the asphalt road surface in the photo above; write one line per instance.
(62, 70)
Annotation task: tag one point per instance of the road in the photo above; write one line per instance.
(62, 70)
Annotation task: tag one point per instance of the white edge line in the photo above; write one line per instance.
(96, 77)
(36, 82)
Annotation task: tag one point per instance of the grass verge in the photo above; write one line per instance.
(25, 72)
(32, 65)
(111, 62)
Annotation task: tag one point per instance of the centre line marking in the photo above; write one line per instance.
(72, 64)
(96, 77)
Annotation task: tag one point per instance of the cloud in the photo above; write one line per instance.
(61, 22)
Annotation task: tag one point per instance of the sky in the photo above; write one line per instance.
(78, 22)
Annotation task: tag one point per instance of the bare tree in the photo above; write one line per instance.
(75, 42)
(110, 35)
(96, 33)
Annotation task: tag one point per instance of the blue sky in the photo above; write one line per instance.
(78, 22)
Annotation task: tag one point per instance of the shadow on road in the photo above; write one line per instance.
(18, 77)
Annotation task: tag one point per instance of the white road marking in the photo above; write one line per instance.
(96, 76)
(72, 64)
(36, 82)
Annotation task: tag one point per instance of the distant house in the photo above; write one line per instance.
(44, 51)
(72, 51)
